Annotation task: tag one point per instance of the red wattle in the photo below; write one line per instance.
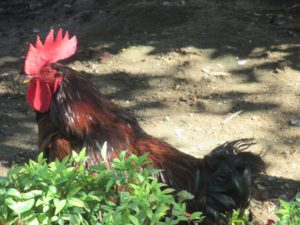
(57, 82)
(39, 96)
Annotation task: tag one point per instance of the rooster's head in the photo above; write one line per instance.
(44, 79)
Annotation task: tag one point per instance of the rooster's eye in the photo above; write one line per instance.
(47, 72)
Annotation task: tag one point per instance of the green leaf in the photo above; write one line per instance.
(3, 212)
(46, 208)
(122, 155)
(21, 207)
(133, 219)
(59, 205)
(9, 201)
(52, 189)
(2, 179)
(33, 222)
(82, 154)
(76, 202)
(161, 211)
(54, 218)
(110, 184)
(107, 208)
(195, 215)
(168, 191)
(74, 219)
(74, 190)
(13, 192)
(184, 195)
(14, 170)
(149, 213)
(42, 201)
(40, 158)
(74, 155)
(43, 219)
(31, 194)
(93, 197)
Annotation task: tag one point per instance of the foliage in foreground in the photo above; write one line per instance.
(289, 212)
(68, 193)
(237, 219)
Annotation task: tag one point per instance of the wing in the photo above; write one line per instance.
(51, 141)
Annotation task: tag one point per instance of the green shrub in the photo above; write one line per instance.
(289, 212)
(237, 219)
(67, 192)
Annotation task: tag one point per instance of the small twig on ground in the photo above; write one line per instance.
(227, 119)
(215, 73)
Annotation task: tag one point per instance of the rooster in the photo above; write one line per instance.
(72, 113)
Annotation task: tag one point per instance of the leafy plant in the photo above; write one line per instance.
(237, 219)
(67, 192)
(289, 212)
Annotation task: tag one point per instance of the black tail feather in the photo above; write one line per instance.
(228, 175)
(235, 151)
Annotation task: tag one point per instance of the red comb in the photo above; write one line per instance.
(49, 52)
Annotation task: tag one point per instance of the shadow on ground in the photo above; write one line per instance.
(244, 57)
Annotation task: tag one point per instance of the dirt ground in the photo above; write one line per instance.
(196, 74)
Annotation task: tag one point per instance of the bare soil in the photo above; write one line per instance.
(196, 74)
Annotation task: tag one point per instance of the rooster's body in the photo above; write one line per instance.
(78, 116)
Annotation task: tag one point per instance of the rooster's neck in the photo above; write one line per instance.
(86, 116)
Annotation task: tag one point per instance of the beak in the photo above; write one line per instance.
(27, 80)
